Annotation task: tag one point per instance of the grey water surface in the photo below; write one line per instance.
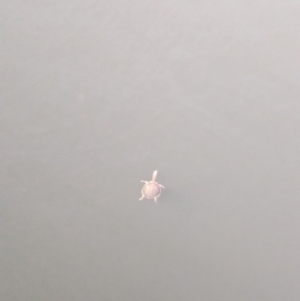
(95, 96)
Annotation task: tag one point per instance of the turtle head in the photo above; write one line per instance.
(154, 176)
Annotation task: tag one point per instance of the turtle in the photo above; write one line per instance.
(151, 189)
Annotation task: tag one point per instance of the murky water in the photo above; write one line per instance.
(95, 96)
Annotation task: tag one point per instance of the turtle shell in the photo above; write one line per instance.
(151, 190)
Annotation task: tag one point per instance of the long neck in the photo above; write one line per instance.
(154, 176)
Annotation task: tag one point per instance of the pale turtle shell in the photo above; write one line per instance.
(151, 190)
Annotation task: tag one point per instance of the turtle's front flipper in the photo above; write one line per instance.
(144, 181)
(161, 186)
(141, 197)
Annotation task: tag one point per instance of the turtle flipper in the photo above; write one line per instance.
(141, 197)
(162, 186)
